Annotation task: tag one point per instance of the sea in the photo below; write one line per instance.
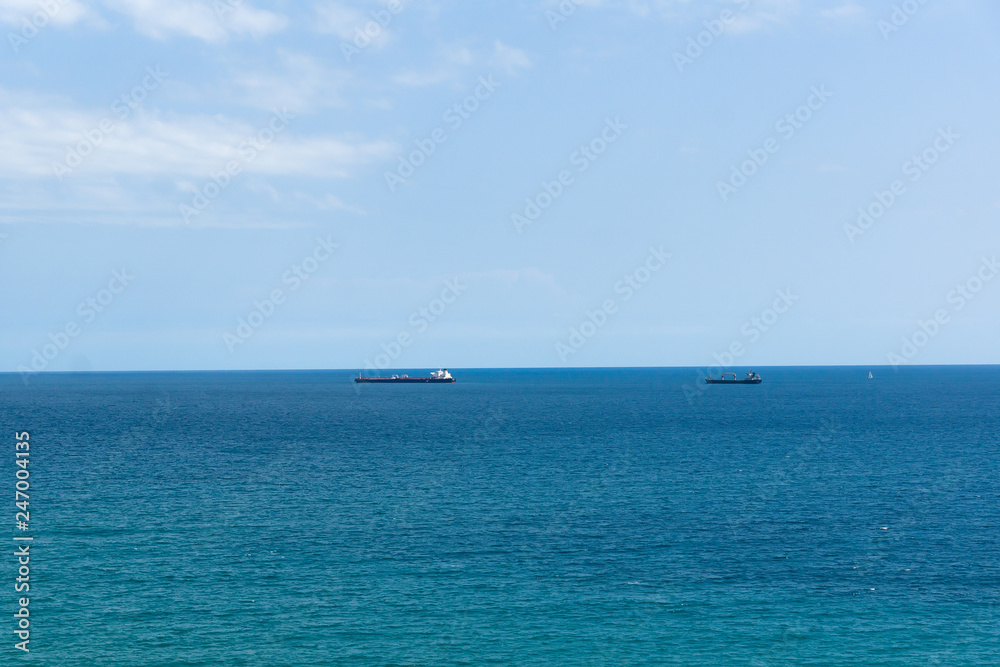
(517, 517)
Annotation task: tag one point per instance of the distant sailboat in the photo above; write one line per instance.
(870, 376)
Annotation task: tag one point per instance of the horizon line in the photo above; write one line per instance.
(492, 368)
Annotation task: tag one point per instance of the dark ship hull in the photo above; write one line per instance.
(423, 380)
(716, 381)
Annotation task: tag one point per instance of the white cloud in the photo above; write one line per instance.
(247, 20)
(763, 14)
(332, 203)
(455, 59)
(301, 83)
(350, 24)
(539, 282)
(508, 58)
(58, 12)
(415, 79)
(750, 15)
(636, 6)
(454, 62)
(211, 22)
(336, 19)
(846, 12)
(33, 138)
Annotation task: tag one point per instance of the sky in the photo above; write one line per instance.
(256, 184)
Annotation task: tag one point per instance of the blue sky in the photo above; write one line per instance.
(596, 183)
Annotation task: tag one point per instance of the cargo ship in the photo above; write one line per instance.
(436, 377)
(751, 378)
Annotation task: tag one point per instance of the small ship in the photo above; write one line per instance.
(436, 377)
(751, 378)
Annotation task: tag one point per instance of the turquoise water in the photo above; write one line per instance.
(584, 517)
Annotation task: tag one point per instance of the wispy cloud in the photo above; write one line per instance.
(452, 61)
(849, 11)
(210, 22)
(61, 13)
(763, 14)
(297, 81)
(749, 15)
(336, 19)
(34, 137)
(415, 79)
(345, 22)
(508, 59)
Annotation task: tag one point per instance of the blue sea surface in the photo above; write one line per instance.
(517, 517)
